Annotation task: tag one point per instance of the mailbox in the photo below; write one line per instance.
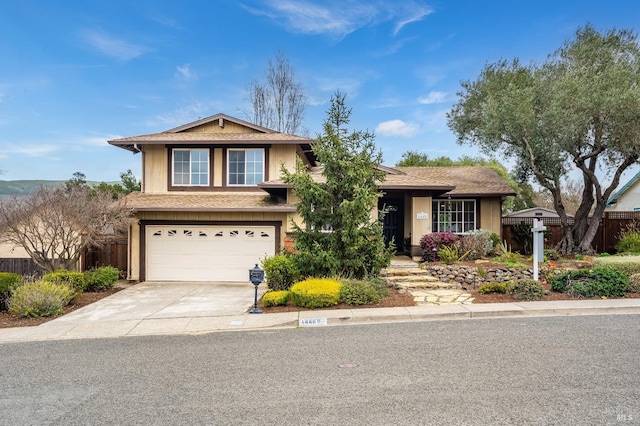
(256, 275)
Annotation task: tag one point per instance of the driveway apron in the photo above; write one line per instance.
(164, 300)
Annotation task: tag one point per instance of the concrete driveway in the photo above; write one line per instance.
(163, 300)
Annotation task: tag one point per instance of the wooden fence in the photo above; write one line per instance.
(18, 266)
(609, 227)
(111, 253)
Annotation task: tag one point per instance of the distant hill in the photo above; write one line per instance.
(25, 187)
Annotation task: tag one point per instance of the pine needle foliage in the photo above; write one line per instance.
(342, 231)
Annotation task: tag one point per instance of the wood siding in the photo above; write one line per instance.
(156, 176)
(490, 214)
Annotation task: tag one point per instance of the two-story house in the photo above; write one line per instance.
(212, 203)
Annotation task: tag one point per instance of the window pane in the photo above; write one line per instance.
(191, 167)
(246, 167)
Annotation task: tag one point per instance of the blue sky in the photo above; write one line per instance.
(75, 74)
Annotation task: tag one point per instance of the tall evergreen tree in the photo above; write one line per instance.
(342, 233)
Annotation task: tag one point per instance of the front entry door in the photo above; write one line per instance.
(392, 227)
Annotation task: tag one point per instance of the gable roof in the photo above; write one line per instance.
(208, 131)
(614, 198)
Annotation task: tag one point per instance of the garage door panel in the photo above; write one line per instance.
(206, 253)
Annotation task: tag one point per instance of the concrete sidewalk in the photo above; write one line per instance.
(189, 315)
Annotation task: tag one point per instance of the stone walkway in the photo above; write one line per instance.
(403, 273)
(440, 297)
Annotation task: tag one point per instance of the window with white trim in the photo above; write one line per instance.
(245, 167)
(456, 216)
(190, 167)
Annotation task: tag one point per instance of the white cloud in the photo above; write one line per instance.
(413, 12)
(434, 97)
(114, 47)
(98, 140)
(339, 18)
(184, 73)
(34, 150)
(397, 128)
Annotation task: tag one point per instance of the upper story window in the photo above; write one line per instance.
(456, 216)
(245, 167)
(190, 167)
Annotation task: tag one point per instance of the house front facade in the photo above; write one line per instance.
(213, 204)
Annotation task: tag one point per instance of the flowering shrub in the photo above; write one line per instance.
(40, 299)
(432, 243)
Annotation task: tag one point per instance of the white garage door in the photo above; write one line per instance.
(206, 253)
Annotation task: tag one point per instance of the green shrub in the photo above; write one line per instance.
(634, 284)
(40, 299)
(101, 279)
(526, 289)
(357, 292)
(451, 254)
(281, 271)
(629, 243)
(495, 241)
(8, 282)
(316, 293)
(602, 282)
(275, 298)
(493, 288)
(506, 255)
(628, 265)
(75, 280)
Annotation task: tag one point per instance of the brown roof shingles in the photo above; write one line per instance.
(212, 201)
(210, 137)
(458, 181)
(468, 180)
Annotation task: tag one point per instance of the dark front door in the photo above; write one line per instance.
(393, 227)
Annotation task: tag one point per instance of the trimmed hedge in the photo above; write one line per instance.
(316, 293)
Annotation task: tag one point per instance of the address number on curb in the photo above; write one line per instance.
(311, 322)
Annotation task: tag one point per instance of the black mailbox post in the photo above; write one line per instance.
(256, 276)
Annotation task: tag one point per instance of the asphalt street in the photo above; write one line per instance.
(546, 370)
